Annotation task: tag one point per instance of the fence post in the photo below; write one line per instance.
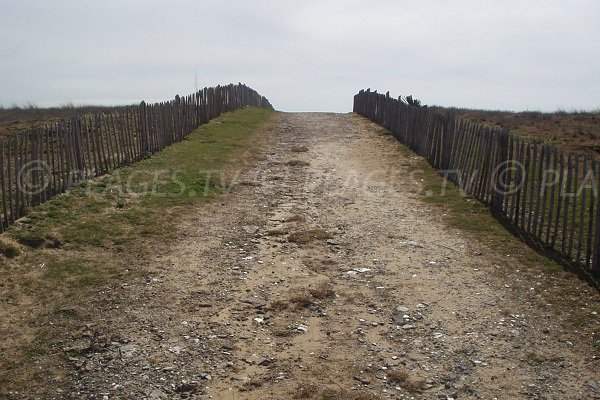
(144, 142)
(498, 178)
(596, 250)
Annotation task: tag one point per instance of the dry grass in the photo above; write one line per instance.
(299, 149)
(252, 383)
(306, 236)
(301, 300)
(8, 249)
(575, 131)
(249, 183)
(276, 232)
(311, 391)
(403, 379)
(322, 292)
(297, 163)
(306, 391)
(278, 305)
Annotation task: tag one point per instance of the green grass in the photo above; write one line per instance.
(9, 250)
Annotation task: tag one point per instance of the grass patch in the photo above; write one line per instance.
(76, 273)
(9, 250)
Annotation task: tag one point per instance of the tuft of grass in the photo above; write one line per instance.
(297, 163)
(299, 149)
(323, 291)
(307, 391)
(9, 250)
(406, 381)
(253, 383)
(300, 301)
(306, 236)
(276, 232)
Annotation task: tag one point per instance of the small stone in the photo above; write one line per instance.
(302, 328)
(157, 395)
(362, 380)
(250, 229)
(408, 326)
(402, 309)
(186, 388)
(332, 242)
(593, 385)
(254, 302)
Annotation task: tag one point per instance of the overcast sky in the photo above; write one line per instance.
(304, 55)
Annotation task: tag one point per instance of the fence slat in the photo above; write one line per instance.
(596, 252)
(581, 223)
(5, 216)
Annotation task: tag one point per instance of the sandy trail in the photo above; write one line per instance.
(385, 301)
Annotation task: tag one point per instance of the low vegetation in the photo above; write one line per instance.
(16, 118)
(576, 131)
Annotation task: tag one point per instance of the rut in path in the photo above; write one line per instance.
(323, 275)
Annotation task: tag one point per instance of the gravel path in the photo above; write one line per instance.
(322, 275)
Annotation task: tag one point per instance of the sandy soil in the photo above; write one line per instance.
(323, 275)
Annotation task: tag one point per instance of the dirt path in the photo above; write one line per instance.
(322, 275)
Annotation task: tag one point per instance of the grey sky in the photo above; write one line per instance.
(304, 55)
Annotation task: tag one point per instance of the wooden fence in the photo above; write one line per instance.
(549, 194)
(43, 162)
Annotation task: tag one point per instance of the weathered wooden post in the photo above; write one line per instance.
(500, 185)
